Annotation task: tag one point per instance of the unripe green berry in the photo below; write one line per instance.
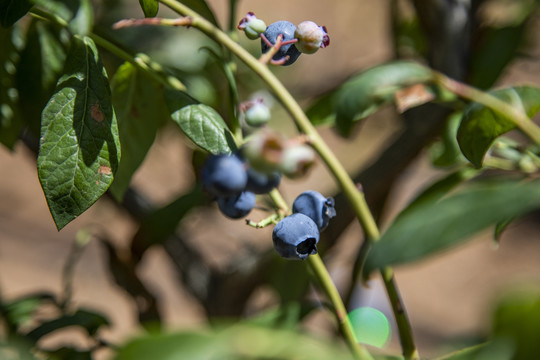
(257, 114)
(252, 26)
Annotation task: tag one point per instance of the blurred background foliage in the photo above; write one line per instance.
(158, 234)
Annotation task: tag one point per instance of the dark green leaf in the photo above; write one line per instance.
(77, 13)
(480, 125)
(13, 10)
(42, 61)
(235, 342)
(88, 320)
(202, 8)
(442, 187)
(494, 350)
(285, 316)
(21, 311)
(500, 227)
(433, 226)
(205, 127)
(362, 95)
(79, 147)
(321, 112)
(446, 152)
(10, 119)
(149, 7)
(163, 222)
(140, 108)
(517, 321)
(70, 353)
(497, 47)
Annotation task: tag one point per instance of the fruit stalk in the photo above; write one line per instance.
(356, 197)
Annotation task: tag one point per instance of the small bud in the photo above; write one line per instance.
(252, 26)
(257, 113)
(311, 37)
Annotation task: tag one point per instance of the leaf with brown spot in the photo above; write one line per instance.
(78, 156)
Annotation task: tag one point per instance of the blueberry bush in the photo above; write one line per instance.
(72, 91)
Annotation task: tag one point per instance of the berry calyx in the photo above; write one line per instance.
(296, 237)
(311, 37)
(313, 204)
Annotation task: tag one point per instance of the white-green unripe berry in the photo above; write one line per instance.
(257, 114)
(311, 37)
(252, 26)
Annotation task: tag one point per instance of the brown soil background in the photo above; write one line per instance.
(447, 297)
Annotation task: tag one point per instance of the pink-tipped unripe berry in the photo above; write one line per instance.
(311, 37)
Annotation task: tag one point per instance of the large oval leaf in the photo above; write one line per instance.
(79, 146)
(13, 10)
(480, 126)
(140, 109)
(433, 226)
(365, 93)
(205, 127)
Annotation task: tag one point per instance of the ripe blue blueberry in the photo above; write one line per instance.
(262, 183)
(224, 175)
(296, 237)
(313, 204)
(237, 206)
(286, 29)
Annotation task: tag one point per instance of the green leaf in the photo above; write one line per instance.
(140, 108)
(366, 92)
(41, 64)
(88, 320)
(149, 7)
(493, 350)
(446, 152)
(21, 311)
(164, 221)
(202, 8)
(10, 119)
(321, 112)
(13, 10)
(436, 225)
(205, 127)
(77, 13)
(235, 342)
(480, 126)
(517, 321)
(79, 148)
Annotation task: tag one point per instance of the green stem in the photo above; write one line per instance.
(350, 189)
(140, 61)
(504, 109)
(321, 273)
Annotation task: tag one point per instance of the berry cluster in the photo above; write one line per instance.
(291, 40)
(234, 183)
(297, 235)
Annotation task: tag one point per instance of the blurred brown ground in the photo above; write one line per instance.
(447, 296)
